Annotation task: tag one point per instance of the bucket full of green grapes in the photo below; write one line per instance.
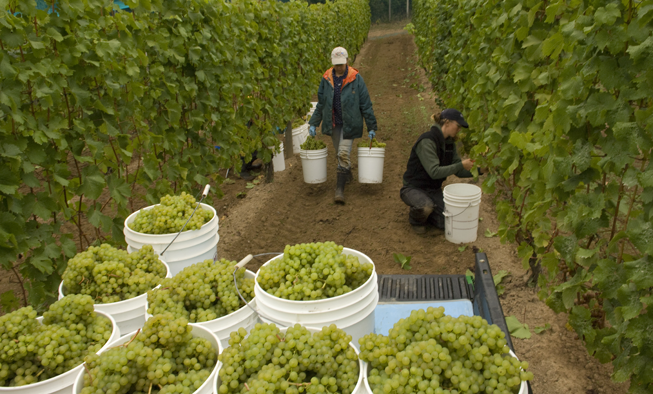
(118, 281)
(45, 354)
(159, 225)
(319, 284)
(431, 351)
(168, 355)
(293, 360)
(205, 294)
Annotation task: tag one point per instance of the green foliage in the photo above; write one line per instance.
(517, 329)
(101, 108)
(558, 98)
(403, 260)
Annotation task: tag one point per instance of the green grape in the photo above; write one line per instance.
(313, 271)
(430, 350)
(312, 143)
(170, 216)
(201, 292)
(375, 144)
(298, 361)
(110, 275)
(163, 357)
(33, 352)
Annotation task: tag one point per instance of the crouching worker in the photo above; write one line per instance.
(432, 159)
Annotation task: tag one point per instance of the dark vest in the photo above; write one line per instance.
(415, 175)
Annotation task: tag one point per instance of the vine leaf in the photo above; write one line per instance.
(517, 329)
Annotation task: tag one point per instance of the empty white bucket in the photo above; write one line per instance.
(278, 160)
(314, 165)
(299, 135)
(208, 387)
(63, 384)
(360, 385)
(209, 250)
(370, 165)
(129, 314)
(523, 388)
(353, 312)
(244, 317)
(462, 202)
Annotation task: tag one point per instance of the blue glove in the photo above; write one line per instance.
(372, 134)
(311, 131)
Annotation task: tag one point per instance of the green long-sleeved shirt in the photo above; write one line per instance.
(427, 153)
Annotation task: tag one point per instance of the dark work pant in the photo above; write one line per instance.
(426, 206)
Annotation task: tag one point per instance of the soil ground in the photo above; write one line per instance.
(375, 220)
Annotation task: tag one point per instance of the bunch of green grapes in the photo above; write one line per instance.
(201, 292)
(313, 271)
(162, 358)
(170, 216)
(375, 144)
(298, 361)
(312, 143)
(430, 352)
(33, 352)
(110, 275)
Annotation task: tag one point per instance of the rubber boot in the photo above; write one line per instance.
(340, 187)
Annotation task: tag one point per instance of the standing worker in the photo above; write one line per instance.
(432, 159)
(343, 102)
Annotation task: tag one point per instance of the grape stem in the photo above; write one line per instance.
(246, 386)
(150, 389)
(299, 384)
(83, 279)
(88, 371)
(41, 371)
(131, 340)
(280, 339)
(115, 276)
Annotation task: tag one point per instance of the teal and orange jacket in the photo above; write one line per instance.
(355, 102)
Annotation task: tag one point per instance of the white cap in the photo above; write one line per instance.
(339, 56)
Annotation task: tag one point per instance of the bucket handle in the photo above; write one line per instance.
(448, 217)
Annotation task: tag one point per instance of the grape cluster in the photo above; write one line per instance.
(375, 144)
(313, 271)
(298, 361)
(33, 352)
(162, 358)
(433, 353)
(312, 143)
(201, 292)
(170, 216)
(110, 275)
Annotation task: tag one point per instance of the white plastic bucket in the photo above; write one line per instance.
(208, 251)
(360, 385)
(353, 312)
(208, 387)
(129, 314)
(314, 165)
(244, 317)
(461, 207)
(160, 241)
(278, 160)
(299, 135)
(63, 384)
(370, 165)
(523, 388)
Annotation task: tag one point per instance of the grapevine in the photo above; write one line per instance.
(162, 358)
(110, 275)
(295, 362)
(34, 352)
(313, 271)
(202, 292)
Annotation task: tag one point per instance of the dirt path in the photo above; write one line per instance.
(374, 220)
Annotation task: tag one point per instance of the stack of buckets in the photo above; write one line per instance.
(353, 312)
(189, 248)
(461, 207)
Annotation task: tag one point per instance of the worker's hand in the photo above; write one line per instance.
(311, 131)
(372, 134)
(468, 164)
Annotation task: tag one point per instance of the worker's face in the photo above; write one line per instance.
(451, 129)
(340, 68)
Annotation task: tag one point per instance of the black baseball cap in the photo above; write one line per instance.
(454, 114)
